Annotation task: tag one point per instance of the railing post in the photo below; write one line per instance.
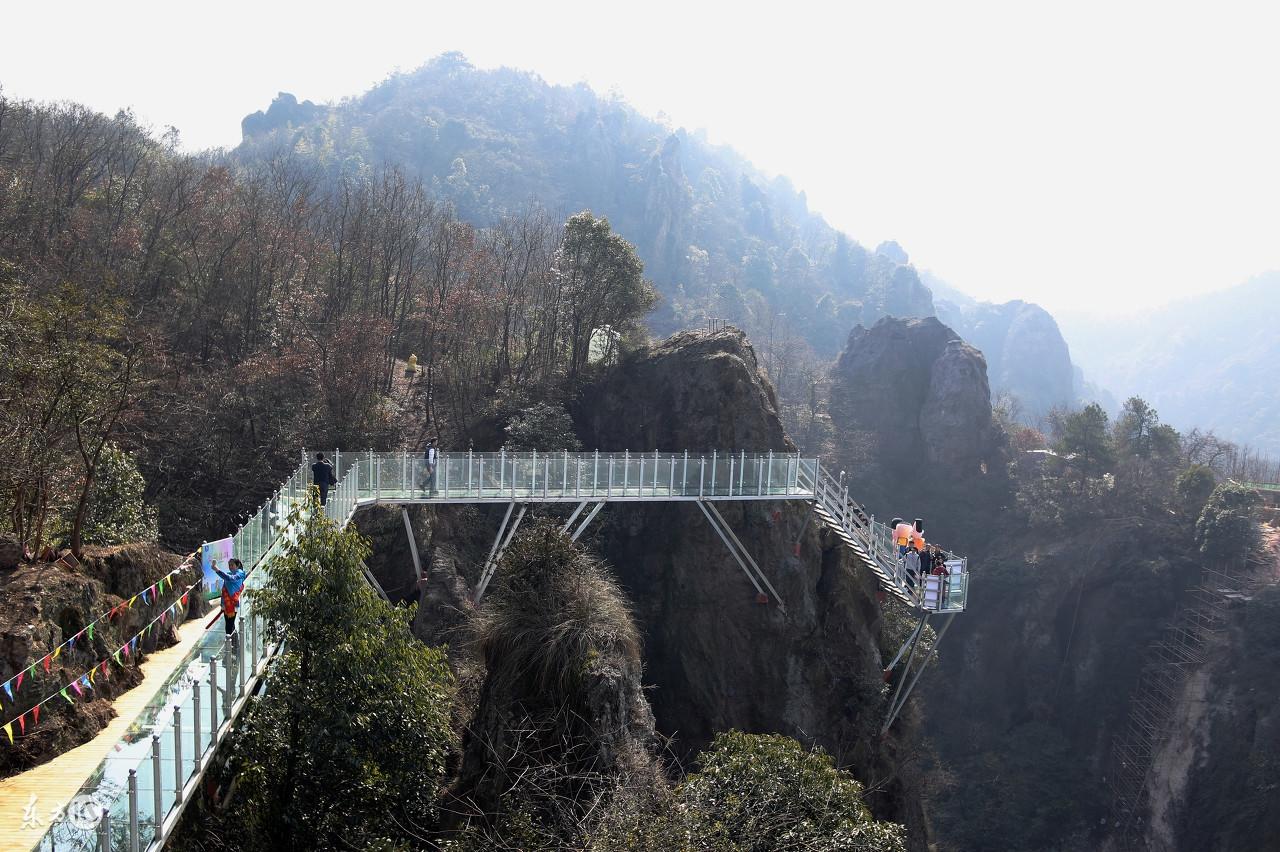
(769, 484)
(626, 471)
(177, 753)
(377, 478)
(713, 472)
(253, 639)
(480, 477)
(742, 469)
(564, 482)
(239, 646)
(502, 470)
(655, 473)
(671, 486)
(444, 463)
(684, 475)
(213, 700)
(133, 810)
(702, 473)
(195, 723)
(640, 478)
(595, 474)
(227, 680)
(609, 489)
(157, 787)
(533, 473)
(546, 474)
(104, 831)
(469, 454)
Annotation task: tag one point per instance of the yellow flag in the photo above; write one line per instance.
(8, 729)
(57, 652)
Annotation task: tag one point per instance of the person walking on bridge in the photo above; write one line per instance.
(322, 476)
(430, 458)
(232, 586)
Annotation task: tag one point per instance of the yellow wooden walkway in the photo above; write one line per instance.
(55, 783)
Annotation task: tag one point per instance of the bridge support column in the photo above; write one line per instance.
(499, 547)
(586, 521)
(577, 511)
(895, 707)
(413, 544)
(739, 553)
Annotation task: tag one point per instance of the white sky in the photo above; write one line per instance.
(1087, 156)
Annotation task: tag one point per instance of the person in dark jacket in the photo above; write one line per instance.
(322, 476)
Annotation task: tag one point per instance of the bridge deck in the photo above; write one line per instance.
(52, 785)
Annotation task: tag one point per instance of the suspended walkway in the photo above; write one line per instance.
(133, 799)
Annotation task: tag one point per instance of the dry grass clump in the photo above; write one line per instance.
(553, 612)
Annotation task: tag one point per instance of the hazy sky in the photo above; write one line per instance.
(1085, 156)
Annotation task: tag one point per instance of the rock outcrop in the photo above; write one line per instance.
(919, 389)
(44, 605)
(1025, 351)
(715, 657)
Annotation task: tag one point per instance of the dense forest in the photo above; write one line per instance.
(208, 320)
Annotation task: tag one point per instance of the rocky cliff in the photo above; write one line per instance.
(1024, 348)
(715, 657)
(911, 406)
(43, 605)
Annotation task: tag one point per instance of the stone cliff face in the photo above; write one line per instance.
(42, 606)
(1024, 348)
(715, 658)
(911, 408)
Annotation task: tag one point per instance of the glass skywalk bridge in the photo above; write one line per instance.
(133, 800)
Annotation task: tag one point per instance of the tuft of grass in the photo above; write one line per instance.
(552, 615)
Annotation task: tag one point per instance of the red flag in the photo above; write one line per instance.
(22, 723)
(46, 663)
(35, 714)
(21, 675)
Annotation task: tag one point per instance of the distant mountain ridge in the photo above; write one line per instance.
(1209, 361)
(718, 237)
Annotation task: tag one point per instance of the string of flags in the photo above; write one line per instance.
(149, 596)
(85, 682)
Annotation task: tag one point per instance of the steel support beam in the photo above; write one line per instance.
(495, 555)
(373, 581)
(739, 553)
(413, 544)
(895, 710)
(747, 555)
(911, 640)
(574, 516)
(586, 522)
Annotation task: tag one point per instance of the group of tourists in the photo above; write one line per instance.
(918, 558)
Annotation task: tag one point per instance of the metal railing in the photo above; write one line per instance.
(137, 793)
(572, 477)
(936, 593)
